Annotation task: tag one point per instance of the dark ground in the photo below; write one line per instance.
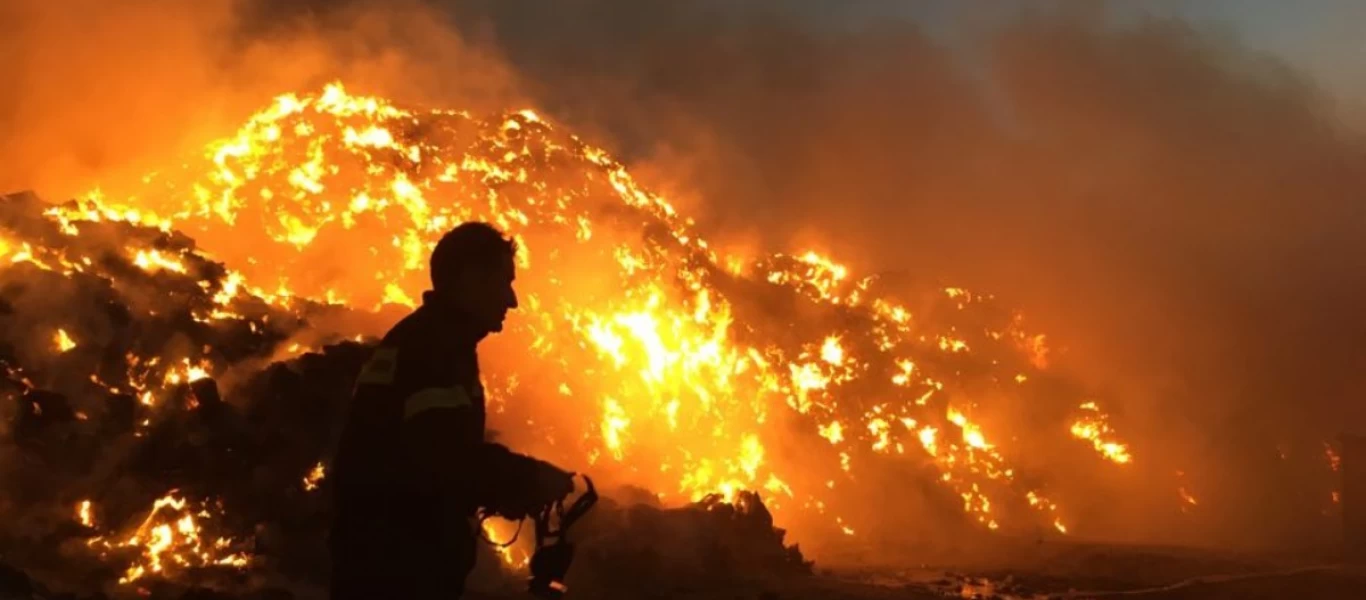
(1085, 571)
(1032, 572)
(1072, 572)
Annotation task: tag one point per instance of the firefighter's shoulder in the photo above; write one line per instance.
(381, 369)
(400, 345)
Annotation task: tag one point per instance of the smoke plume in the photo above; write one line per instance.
(96, 92)
(1182, 214)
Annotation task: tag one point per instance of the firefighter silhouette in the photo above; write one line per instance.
(412, 466)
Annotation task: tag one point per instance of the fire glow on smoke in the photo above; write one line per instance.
(679, 380)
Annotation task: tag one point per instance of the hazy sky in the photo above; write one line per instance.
(1326, 38)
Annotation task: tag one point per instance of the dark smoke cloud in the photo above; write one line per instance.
(1182, 214)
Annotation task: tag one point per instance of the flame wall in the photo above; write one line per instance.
(641, 354)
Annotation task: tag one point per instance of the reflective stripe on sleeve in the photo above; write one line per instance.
(380, 369)
(430, 398)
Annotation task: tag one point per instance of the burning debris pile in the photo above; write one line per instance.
(124, 477)
(117, 439)
(169, 408)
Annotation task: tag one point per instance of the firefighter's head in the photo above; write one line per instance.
(472, 273)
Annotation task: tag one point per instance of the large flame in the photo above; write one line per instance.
(662, 361)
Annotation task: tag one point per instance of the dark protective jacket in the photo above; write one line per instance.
(412, 464)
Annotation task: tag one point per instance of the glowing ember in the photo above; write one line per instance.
(83, 514)
(628, 313)
(186, 373)
(847, 530)
(1095, 428)
(1334, 460)
(153, 260)
(971, 433)
(64, 341)
(314, 477)
(831, 351)
(171, 538)
(1187, 498)
(832, 431)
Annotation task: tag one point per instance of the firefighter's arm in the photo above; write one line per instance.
(441, 440)
(444, 447)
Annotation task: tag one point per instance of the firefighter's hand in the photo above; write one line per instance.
(552, 482)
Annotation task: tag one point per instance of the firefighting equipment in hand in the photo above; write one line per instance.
(550, 562)
(523, 486)
(553, 554)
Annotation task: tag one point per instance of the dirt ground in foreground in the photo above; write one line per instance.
(1064, 572)
(1025, 572)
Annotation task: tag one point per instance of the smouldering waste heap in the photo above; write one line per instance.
(661, 341)
(110, 330)
(655, 359)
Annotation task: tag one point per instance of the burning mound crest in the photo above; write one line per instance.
(641, 353)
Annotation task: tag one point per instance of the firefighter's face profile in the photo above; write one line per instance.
(486, 295)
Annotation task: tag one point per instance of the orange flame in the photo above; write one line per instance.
(63, 341)
(515, 554)
(83, 514)
(639, 333)
(314, 477)
(1095, 428)
(1334, 460)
